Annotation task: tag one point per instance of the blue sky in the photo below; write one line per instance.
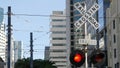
(23, 25)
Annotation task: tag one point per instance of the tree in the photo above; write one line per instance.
(38, 63)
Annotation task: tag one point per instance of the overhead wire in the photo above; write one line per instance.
(32, 15)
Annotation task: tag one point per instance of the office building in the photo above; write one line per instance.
(59, 40)
(17, 50)
(47, 53)
(113, 34)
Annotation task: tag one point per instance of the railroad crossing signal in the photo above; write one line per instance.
(77, 58)
(97, 58)
(87, 16)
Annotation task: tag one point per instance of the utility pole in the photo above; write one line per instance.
(9, 39)
(31, 50)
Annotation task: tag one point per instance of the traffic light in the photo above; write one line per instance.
(77, 58)
(98, 58)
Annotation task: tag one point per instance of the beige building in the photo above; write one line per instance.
(113, 32)
(59, 45)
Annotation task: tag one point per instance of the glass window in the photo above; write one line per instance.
(59, 38)
(59, 32)
(59, 44)
(114, 53)
(114, 38)
(59, 26)
(113, 24)
(118, 65)
(58, 20)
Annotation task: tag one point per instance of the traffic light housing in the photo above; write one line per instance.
(98, 58)
(77, 58)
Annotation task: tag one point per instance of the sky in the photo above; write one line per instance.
(39, 25)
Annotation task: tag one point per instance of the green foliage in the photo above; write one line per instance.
(38, 63)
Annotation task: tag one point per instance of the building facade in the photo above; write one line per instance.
(47, 53)
(17, 50)
(113, 34)
(59, 45)
(2, 42)
(2, 38)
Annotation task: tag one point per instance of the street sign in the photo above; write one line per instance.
(87, 41)
(87, 16)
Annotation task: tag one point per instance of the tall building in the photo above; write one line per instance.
(2, 38)
(113, 34)
(17, 50)
(59, 40)
(2, 42)
(47, 53)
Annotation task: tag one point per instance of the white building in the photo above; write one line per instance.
(2, 42)
(113, 32)
(59, 40)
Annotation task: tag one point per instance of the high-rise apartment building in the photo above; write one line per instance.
(2, 38)
(113, 34)
(2, 42)
(59, 40)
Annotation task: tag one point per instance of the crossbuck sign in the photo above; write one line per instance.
(87, 16)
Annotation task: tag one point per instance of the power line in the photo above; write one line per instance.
(40, 15)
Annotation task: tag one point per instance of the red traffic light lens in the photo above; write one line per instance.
(99, 57)
(77, 58)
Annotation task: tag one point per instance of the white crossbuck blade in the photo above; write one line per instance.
(87, 16)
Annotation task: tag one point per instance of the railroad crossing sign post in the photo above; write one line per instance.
(86, 17)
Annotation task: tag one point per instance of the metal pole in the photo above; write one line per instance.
(97, 31)
(31, 50)
(9, 39)
(86, 64)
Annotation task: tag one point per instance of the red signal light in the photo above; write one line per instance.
(77, 58)
(99, 57)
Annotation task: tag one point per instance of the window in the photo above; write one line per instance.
(113, 24)
(59, 44)
(117, 65)
(114, 38)
(59, 38)
(59, 26)
(72, 25)
(58, 20)
(59, 32)
(114, 53)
